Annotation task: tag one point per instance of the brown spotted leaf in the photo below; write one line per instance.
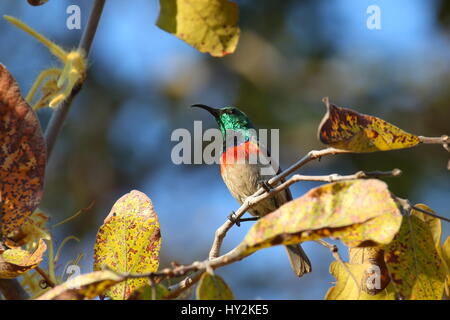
(85, 286)
(213, 287)
(207, 25)
(415, 267)
(376, 277)
(434, 224)
(14, 262)
(129, 241)
(346, 288)
(22, 156)
(359, 212)
(347, 129)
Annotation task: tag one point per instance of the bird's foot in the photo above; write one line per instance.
(232, 218)
(238, 221)
(266, 186)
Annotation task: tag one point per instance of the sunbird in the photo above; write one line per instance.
(244, 177)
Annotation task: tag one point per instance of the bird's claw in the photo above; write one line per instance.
(266, 186)
(233, 219)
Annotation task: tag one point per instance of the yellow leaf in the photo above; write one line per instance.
(14, 262)
(357, 212)
(85, 286)
(129, 242)
(347, 289)
(212, 287)
(376, 277)
(414, 265)
(346, 129)
(434, 224)
(207, 25)
(446, 257)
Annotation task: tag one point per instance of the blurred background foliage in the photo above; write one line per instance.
(291, 54)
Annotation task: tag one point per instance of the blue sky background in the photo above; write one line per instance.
(142, 80)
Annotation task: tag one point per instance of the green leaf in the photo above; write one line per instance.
(357, 212)
(129, 242)
(22, 156)
(149, 292)
(85, 286)
(414, 265)
(207, 25)
(347, 129)
(212, 287)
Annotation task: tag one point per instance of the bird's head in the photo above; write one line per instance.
(228, 118)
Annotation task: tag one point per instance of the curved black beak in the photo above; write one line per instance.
(215, 112)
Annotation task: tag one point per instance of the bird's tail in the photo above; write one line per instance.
(298, 259)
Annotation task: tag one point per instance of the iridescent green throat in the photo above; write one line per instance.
(234, 121)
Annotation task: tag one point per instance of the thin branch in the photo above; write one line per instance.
(45, 277)
(335, 252)
(60, 114)
(262, 194)
(184, 270)
(443, 140)
(407, 206)
(182, 286)
(249, 202)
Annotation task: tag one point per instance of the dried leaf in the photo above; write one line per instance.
(85, 286)
(359, 212)
(22, 156)
(148, 292)
(376, 276)
(347, 289)
(129, 241)
(346, 129)
(414, 265)
(14, 262)
(207, 25)
(213, 287)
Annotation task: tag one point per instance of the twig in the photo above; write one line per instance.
(407, 206)
(60, 114)
(335, 252)
(46, 277)
(249, 202)
(183, 270)
(262, 194)
(185, 284)
(444, 140)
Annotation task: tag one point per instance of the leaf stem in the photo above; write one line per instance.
(60, 114)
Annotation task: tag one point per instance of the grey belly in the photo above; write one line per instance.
(243, 180)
